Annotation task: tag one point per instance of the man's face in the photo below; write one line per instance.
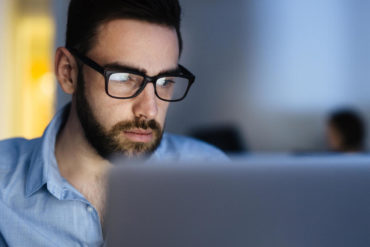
(128, 126)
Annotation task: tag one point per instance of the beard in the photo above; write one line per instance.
(108, 143)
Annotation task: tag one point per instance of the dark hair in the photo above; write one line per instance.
(85, 16)
(350, 127)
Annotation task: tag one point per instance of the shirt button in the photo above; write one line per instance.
(90, 209)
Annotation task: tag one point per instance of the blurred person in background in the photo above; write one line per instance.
(346, 132)
(120, 65)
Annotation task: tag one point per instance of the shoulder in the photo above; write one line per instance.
(10, 149)
(15, 147)
(13, 153)
(184, 148)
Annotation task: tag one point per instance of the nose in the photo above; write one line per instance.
(145, 105)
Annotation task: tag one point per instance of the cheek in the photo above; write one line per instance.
(94, 87)
(106, 110)
(111, 111)
(162, 111)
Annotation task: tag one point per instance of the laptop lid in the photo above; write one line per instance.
(251, 202)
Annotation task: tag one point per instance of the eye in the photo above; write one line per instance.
(121, 77)
(165, 82)
(125, 78)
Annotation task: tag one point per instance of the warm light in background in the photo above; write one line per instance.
(33, 48)
(31, 83)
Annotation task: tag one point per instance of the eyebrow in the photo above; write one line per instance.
(119, 67)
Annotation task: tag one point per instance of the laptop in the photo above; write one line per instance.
(259, 202)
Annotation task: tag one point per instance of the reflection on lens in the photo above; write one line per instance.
(172, 88)
(124, 84)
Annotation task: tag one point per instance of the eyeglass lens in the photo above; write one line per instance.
(127, 84)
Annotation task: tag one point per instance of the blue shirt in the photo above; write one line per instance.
(38, 207)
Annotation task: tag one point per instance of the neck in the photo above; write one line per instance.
(77, 159)
(80, 164)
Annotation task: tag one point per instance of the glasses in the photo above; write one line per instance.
(127, 83)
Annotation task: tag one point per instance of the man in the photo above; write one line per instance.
(120, 65)
(346, 131)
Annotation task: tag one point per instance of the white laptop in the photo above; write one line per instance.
(265, 202)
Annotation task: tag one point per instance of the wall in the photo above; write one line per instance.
(27, 84)
(4, 67)
(60, 13)
(276, 68)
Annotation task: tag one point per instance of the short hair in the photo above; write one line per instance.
(85, 17)
(350, 127)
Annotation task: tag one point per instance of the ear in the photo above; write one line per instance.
(66, 70)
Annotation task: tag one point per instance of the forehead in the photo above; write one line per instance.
(138, 44)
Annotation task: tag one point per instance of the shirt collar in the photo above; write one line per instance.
(43, 168)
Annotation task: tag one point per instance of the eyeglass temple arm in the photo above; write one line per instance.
(87, 61)
(185, 71)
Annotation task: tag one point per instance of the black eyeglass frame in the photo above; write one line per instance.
(181, 72)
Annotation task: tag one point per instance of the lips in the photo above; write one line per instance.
(139, 135)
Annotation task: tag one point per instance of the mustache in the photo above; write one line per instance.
(136, 124)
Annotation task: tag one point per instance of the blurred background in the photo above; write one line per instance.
(268, 72)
